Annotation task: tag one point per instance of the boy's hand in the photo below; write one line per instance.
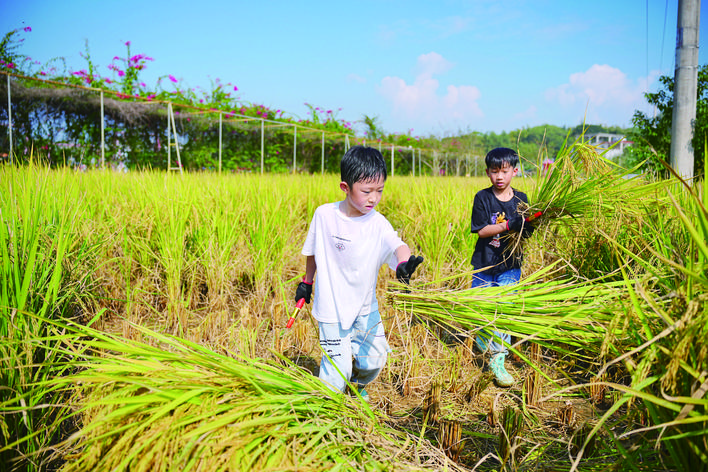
(304, 290)
(515, 223)
(406, 268)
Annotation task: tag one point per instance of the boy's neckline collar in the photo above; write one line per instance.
(344, 215)
(507, 191)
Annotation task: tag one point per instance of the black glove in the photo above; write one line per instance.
(304, 290)
(405, 269)
(515, 223)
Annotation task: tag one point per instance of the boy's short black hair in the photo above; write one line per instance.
(361, 164)
(497, 157)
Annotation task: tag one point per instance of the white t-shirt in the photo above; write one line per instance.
(349, 253)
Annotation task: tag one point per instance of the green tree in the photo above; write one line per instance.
(652, 134)
(373, 130)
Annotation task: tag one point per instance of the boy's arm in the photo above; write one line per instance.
(407, 263)
(304, 288)
(480, 215)
(310, 269)
(403, 253)
(492, 230)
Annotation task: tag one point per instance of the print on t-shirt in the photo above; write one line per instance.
(497, 218)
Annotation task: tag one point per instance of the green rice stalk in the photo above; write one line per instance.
(177, 405)
(40, 271)
(566, 316)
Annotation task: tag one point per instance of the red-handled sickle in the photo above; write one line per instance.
(534, 216)
(300, 304)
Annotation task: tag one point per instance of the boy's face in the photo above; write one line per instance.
(363, 196)
(500, 177)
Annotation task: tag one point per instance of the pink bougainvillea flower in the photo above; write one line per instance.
(121, 73)
(27, 29)
(172, 78)
(235, 88)
(127, 43)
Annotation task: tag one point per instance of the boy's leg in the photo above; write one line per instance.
(497, 349)
(336, 342)
(481, 279)
(508, 277)
(369, 347)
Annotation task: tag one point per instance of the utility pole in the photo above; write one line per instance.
(685, 87)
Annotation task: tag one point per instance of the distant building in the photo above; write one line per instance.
(616, 142)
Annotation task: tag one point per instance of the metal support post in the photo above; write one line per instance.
(220, 126)
(295, 150)
(103, 136)
(9, 116)
(393, 151)
(169, 138)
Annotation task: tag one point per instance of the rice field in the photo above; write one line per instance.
(142, 322)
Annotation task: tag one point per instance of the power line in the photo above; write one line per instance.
(663, 35)
(647, 39)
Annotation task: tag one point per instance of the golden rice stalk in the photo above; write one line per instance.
(431, 405)
(512, 421)
(450, 438)
(584, 187)
(566, 316)
(567, 416)
(532, 388)
(479, 385)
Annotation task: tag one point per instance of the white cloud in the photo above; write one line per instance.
(606, 92)
(422, 106)
(432, 63)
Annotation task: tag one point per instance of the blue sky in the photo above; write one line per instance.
(437, 67)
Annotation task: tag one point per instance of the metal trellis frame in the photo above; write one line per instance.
(171, 124)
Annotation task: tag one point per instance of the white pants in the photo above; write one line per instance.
(365, 341)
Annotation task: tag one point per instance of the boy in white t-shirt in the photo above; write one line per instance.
(347, 243)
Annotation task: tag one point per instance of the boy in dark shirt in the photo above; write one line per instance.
(494, 213)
